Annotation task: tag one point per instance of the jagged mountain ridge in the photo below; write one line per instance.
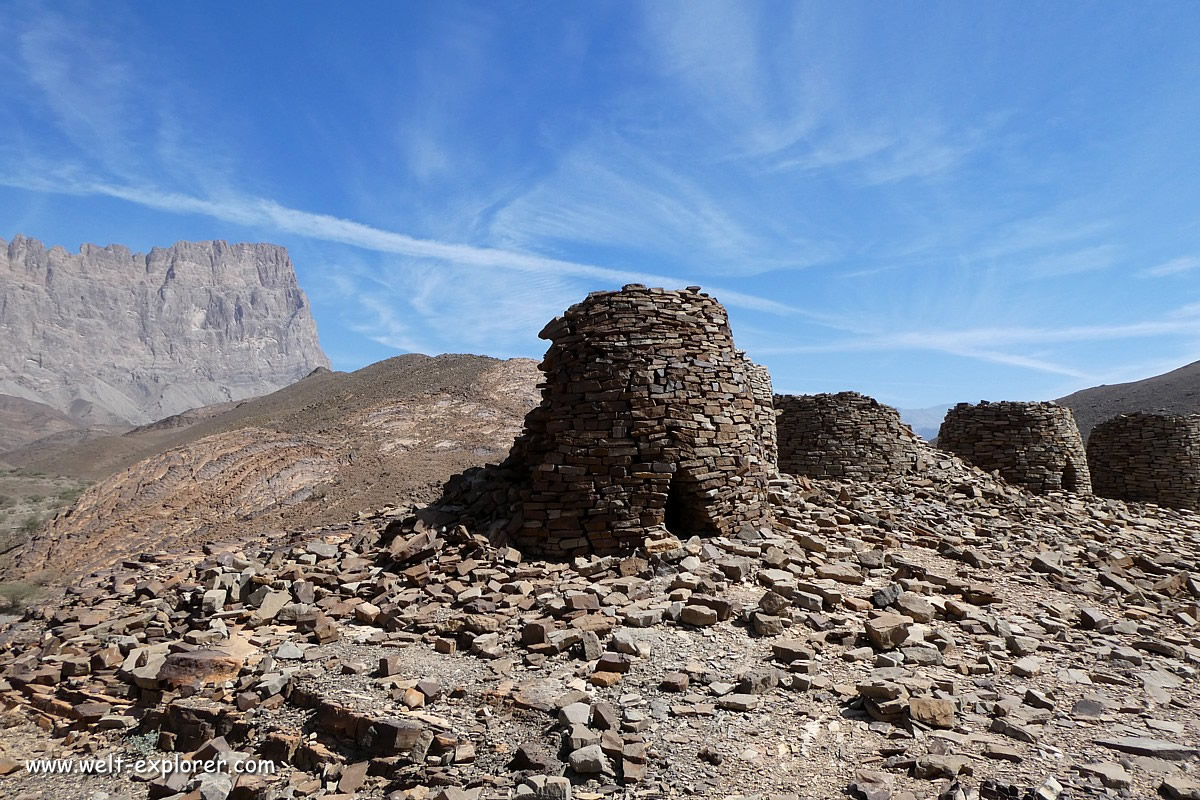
(107, 336)
(1174, 392)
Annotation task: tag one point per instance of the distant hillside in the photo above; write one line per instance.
(24, 421)
(1176, 392)
(925, 422)
(316, 452)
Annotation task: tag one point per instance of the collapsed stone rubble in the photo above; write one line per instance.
(939, 634)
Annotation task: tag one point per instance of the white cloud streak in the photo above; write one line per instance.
(1176, 266)
(980, 343)
(609, 192)
(261, 212)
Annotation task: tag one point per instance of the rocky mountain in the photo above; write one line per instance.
(324, 449)
(110, 337)
(1175, 392)
(925, 422)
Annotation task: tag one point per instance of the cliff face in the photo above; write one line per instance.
(107, 336)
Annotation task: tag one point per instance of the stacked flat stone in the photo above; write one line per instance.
(1034, 445)
(764, 411)
(846, 436)
(1153, 458)
(648, 419)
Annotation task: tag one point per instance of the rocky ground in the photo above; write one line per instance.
(942, 635)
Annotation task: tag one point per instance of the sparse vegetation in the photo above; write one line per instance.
(15, 595)
(27, 501)
(69, 495)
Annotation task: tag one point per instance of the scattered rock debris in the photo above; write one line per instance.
(937, 635)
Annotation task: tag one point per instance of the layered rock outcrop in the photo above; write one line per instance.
(217, 483)
(846, 436)
(114, 337)
(1151, 458)
(1035, 445)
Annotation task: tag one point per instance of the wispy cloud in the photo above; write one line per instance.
(261, 212)
(384, 325)
(982, 343)
(945, 343)
(878, 151)
(1072, 262)
(980, 337)
(1050, 231)
(773, 151)
(82, 82)
(722, 58)
(1176, 266)
(607, 191)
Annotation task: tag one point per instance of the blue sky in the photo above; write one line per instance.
(927, 202)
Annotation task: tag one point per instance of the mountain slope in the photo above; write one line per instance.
(107, 336)
(1175, 392)
(317, 452)
(24, 421)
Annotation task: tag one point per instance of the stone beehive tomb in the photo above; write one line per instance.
(1035, 445)
(648, 418)
(846, 436)
(1147, 457)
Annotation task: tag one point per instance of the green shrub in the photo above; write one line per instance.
(31, 524)
(15, 595)
(69, 495)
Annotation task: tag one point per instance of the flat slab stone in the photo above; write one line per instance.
(1144, 746)
(1179, 787)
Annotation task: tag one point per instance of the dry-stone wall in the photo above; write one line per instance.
(648, 420)
(764, 411)
(1147, 457)
(1035, 445)
(846, 436)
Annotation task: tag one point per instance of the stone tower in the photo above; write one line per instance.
(845, 436)
(1035, 445)
(1151, 458)
(648, 419)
